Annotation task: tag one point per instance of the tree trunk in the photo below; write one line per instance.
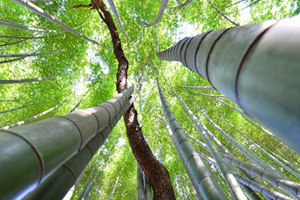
(157, 173)
(256, 66)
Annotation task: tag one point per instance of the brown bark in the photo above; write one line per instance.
(157, 173)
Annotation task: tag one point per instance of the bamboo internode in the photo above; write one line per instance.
(206, 183)
(58, 183)
(256, 66)
(30, 153)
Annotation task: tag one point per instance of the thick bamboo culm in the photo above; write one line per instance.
(256, 66)
(30, 153)
(58, 183)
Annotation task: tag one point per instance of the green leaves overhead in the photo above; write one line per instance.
(94, 67)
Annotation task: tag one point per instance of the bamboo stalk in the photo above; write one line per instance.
(207, 184)
(235, 61)
(202, 130)
(40, 148)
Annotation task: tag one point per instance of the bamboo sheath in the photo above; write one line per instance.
(256, 66)
(206, 183)
(59, 182)
(30, 153)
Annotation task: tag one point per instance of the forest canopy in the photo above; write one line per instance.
(71, 73)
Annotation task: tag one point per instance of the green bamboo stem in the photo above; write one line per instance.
(15, 109)
(211, 95)
(181, 188)
(59, 182)
(14, 81)
(140, 183)
(230, 58)
(27, 54)
(291, 171)
(227, 18)
(24, 27)
(202, 130)
(272, 178)
(12, 43)
(114, 188)
(224, 150)
(148, 191)
(26, 37)
(90, 187)
(199, 87)
(162, 8)
(79, 101)
(51, 18)
(115, 12)
(261, 188)
(12, 60)
(270, 194)
(41, 147)
(246, 152)
(184, 163)
(88, 181)
(28, 120)
(207, 184)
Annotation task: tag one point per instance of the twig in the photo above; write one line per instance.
(102, 17)
(223, 14)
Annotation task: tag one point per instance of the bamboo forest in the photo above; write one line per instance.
(149, 99)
